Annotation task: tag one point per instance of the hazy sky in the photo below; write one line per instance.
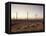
(34, 11)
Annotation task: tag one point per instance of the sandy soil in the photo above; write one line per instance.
(22, 25)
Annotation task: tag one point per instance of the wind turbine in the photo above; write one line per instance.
(16, 15)
(36, 16)
(27, 18)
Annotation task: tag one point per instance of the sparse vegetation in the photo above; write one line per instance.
(26, 25)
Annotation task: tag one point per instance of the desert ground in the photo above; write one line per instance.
(26, 25)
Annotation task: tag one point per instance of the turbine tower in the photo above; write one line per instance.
(36, 16)
(27, 15)
(16, 15)
(27, 18)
